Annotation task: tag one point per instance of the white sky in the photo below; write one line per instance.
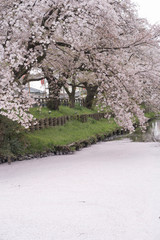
(149, 9)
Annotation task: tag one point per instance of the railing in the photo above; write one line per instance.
(64, 102)
(79, 101)
(40, 101)
(60, 121)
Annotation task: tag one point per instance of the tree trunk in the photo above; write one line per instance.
(91, 92)
(72, 100)
(53, 102)
(71, 96)
(54, 86)
(1, 132)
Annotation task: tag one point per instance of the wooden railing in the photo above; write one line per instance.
(60, 121)
(64, 102)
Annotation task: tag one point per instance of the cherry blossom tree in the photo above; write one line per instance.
(109, 39)
(24, 38)
(63, 64)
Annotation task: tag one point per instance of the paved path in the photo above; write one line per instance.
(110, 191)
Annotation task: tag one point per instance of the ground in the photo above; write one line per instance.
(109, 191)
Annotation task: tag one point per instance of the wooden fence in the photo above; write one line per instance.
(60, 121)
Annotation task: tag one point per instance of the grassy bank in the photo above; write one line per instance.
(72, 131)
(15, 142)
(44, 112)
(150, 115)
(46, 140)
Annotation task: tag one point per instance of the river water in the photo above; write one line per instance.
(152, 134)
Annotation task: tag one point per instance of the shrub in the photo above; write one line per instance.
(11, 137)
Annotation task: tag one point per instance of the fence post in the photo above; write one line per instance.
(37, 126)
(32, 128)
(58, 121)
(46, 122)
(51, 122)
(62, 120)
(68, 118)
(41, 122)
(54, 121)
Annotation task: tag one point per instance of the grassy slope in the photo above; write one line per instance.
(69, 133)
(63, 111)
(150, 115)
(72, 131)
(46, 139)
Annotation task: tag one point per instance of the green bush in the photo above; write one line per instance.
(12, 141)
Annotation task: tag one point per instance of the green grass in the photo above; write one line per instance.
(150, 115)
(63, 111)
(71, 132)
(17, 142)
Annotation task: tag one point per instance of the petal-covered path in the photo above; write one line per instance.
(109, 191)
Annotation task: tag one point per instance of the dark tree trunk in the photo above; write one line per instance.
(91, 92)
(71, 96)
(53, 102)
(72, 100)
(1, 133)
(54, 86)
